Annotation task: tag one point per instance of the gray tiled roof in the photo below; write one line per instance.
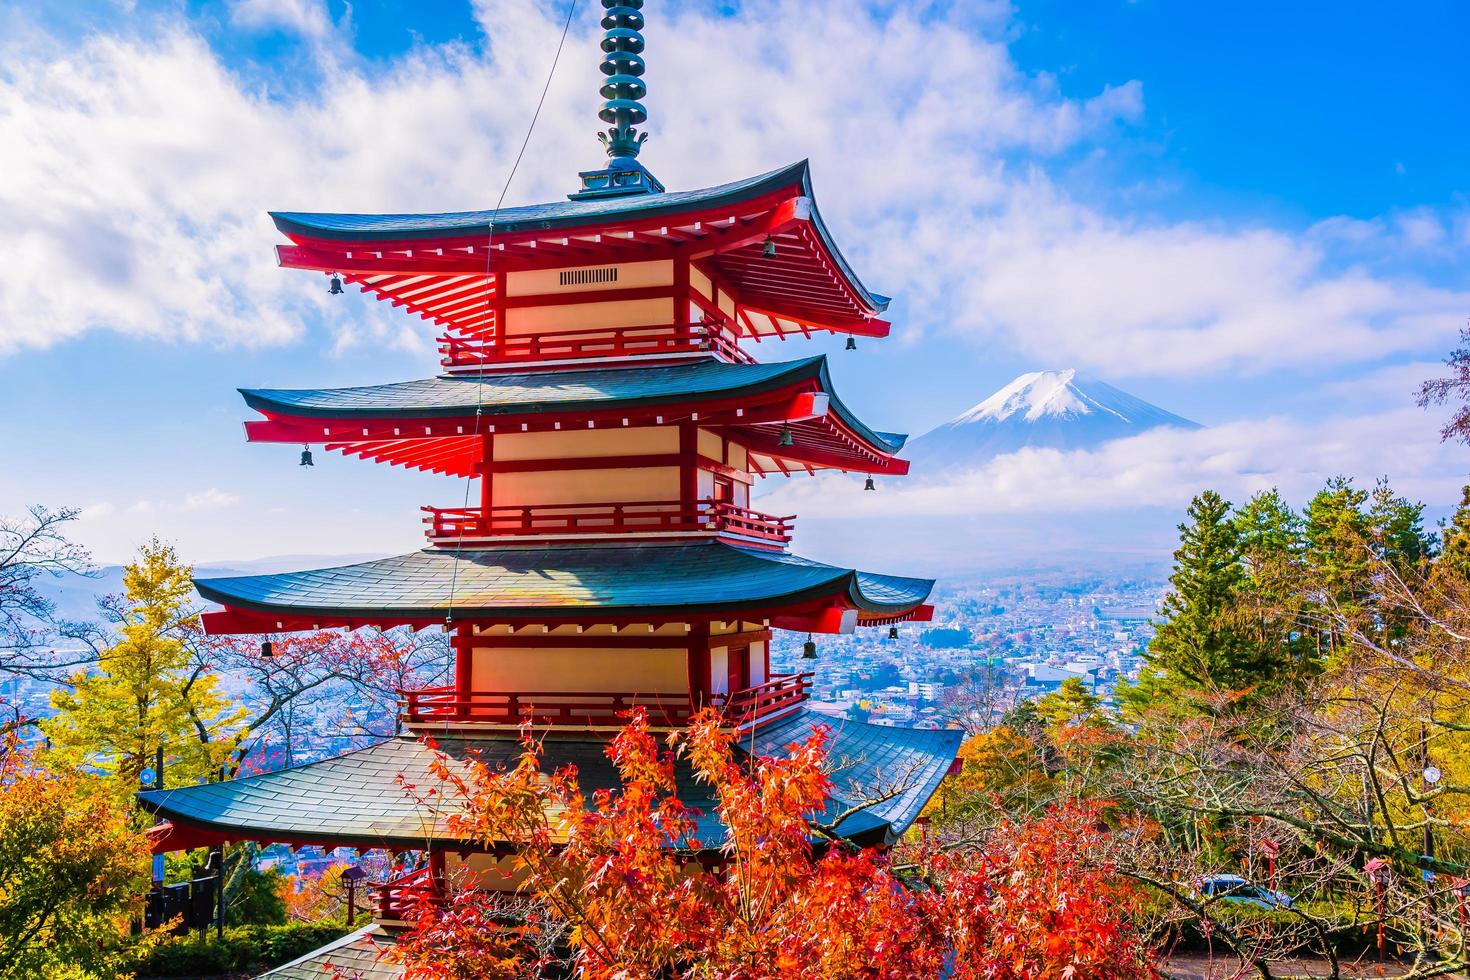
(355, 957)
(562, 214)
(530, 217)
(362, 798)
(870, 761)
(537, 392)
(566, 579)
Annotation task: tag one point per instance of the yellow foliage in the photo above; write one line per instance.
(148, 689)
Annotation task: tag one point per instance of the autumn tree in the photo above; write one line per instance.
(72, 872)
(1454, 389)
(782, 896)
(144, 694)
(32, 549)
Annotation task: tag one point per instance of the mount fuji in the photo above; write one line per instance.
(1044, 409)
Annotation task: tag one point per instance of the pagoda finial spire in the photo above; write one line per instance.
(622, 91)
(622, 63)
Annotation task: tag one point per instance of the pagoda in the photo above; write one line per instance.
(599, 394)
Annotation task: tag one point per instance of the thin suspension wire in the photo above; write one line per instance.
(441, 797)
(489, 239)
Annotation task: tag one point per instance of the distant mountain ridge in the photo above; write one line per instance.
(1063, 410)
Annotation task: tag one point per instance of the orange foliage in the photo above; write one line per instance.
(775, 896)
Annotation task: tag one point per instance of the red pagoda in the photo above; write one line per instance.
(598, 388)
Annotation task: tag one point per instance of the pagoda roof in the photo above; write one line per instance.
(361, 799)
(556, 581)
(827, 433)
(357, 955)
(420, 260)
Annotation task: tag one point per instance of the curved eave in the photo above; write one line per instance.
(529, 393)
(448, 241)
(553, 216)
(703, 386)
(557, 582)
(361, 798)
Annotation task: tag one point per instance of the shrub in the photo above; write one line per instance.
(242, 949)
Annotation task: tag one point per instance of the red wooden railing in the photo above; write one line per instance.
(436, 704)
(782, 691)
(693, 338)
(449, 524)
(581, 708)
(397, 899)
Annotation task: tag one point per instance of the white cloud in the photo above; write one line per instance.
(211, 499)
(1160, 468)
(1065, 283)
(138, 170)
(308, 18)
(96, 512)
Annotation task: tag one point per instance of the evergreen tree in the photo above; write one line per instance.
(147, 691)
(1454, 557)
(1070, 704)
(1337, 536)
(1340, 559)
(1396, 527)
(1268, 528)
(1272, 542)
(1204, 643)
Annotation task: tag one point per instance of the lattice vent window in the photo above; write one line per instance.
(587, 277)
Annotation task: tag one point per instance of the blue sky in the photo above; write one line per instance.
(1252, 214)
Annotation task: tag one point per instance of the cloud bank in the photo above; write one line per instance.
(1162, 468)
(138, 168)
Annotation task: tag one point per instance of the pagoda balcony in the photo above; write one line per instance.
(577, 709)
(742, 709)
(777, 696)
(398, 899)
(606, 343)
(456, 525)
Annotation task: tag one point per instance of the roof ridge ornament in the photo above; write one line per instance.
(622, 91)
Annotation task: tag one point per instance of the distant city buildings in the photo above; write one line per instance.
(988, 647)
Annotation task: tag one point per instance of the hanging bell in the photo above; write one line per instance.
(852, 343)
(869, 484)
(267, 652)
(893, 632)
(809, 648)
(335, 289)
(769, 248)
(306, 456)
(786, 439)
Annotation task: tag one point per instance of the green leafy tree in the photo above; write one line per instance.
(148, 689)
(72, 873)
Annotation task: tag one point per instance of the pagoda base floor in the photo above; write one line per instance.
(378, 797)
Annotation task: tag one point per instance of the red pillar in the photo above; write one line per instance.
(463, 654)
(699, 669)
(486, 479)
(688, 466)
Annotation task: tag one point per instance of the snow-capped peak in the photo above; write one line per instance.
(1060, 394)
(1062, 410)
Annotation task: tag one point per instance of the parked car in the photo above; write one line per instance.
(1234, 888)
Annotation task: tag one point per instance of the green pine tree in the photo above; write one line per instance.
(1396, 528)
(1454, 555)
(1340, 557)
(1204, 644)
